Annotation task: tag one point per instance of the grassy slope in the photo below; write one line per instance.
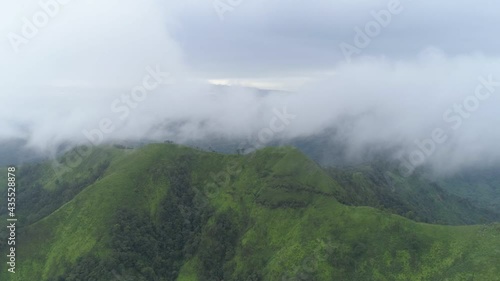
(289, 224)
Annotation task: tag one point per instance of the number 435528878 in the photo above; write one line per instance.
(11, 192)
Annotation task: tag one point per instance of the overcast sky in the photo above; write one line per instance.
(62, 74)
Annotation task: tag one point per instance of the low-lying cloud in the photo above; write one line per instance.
(123, 70)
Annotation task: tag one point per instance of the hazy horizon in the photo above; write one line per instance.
(383, 75)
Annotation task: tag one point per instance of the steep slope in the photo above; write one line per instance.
(166, 212)
(479, 186)
(419, 197)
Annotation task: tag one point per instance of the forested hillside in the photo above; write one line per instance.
(169, 212)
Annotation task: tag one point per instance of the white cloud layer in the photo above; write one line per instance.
(421, 74)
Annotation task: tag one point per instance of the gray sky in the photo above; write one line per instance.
(421, 60)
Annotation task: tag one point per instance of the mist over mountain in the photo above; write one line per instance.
(244, 140)
(147, 71)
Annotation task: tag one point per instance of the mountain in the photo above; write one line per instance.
(420, 196)
(16, 152)
(170, 212)
(481, 186)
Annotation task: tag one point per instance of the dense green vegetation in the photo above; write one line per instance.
(418, 197)
(39, 202)
(479, 186)
(168, 212)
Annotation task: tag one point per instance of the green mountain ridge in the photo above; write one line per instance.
(169, 212)
(419, 196)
